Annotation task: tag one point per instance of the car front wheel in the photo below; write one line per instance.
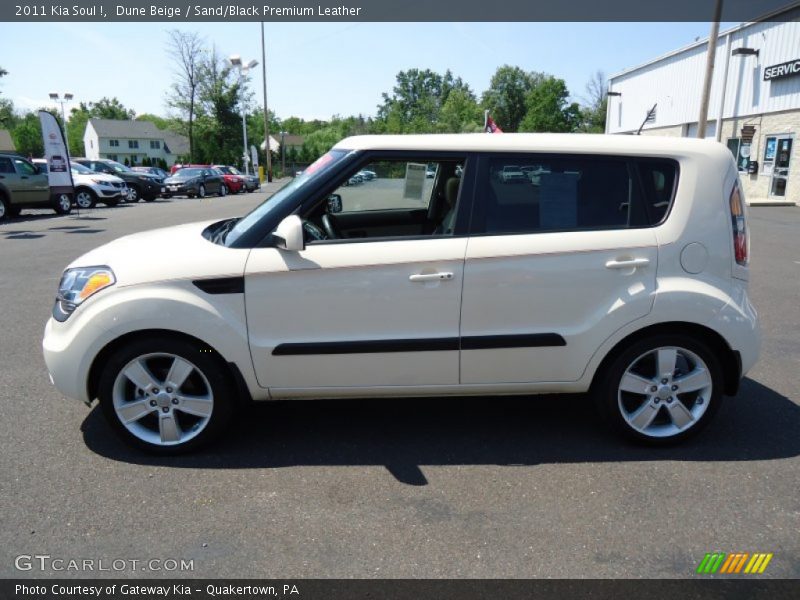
(165, 396)
(85, 199)
(661, 389)
(62, 204)
(223, 190)
(201, 191)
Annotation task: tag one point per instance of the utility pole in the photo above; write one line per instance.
(711, 54)
(266, 110)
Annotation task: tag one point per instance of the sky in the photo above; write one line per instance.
(316, 70)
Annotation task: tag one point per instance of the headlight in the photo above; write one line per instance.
(79, 284)
(100, 182)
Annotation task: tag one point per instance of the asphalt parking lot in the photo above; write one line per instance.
(496, 487)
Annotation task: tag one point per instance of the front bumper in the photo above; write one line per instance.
(68, 356)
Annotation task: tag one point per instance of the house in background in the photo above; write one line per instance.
(6, 143)
(132, 140)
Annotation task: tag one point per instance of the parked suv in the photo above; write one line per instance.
(140, 185)
(23, 185)
(91, 187)
(621, 269)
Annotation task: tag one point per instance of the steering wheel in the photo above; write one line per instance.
(312, 233)
(331, 228)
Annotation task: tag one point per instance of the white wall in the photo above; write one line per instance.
(675, 82)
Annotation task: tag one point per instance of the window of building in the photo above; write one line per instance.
(741, 153)
(133, 143)
(538, 193)
(113, 143)
(113, 157)
(155, 145)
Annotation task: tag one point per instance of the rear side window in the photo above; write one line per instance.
(540, 193)
(658, 185)
(5, 165)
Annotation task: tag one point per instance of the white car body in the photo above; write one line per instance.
(592, 290)
(104, 187)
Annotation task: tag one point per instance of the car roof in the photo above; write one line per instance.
(535, 142)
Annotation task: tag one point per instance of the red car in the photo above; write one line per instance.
(233, 181)
(232, 175)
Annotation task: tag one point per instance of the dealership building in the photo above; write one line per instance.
(754, 107)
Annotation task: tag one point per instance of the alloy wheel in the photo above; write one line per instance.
(162, 399)
(84, 200)
(664, 392)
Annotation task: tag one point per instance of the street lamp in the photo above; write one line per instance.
(62, 101)
(283, 153)
(236, 61)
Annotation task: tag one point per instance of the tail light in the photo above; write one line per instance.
(741, 237)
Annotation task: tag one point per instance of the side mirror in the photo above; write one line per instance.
(334, 203)
(289, 234)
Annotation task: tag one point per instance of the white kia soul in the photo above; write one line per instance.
(615, 265)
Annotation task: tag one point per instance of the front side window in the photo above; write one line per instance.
(24, 167)
(540, 193)
(389, 199)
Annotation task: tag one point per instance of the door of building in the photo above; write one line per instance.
(780, 170)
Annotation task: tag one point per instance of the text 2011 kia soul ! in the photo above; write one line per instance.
(616, 265)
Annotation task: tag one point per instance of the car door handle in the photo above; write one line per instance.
(629, 263)
(431, 277)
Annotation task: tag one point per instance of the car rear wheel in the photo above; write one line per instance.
(165, 396)
(661, 389)
(5, 209)
(201, 191)
(133, 194)
(85, 198)
(62, 204)
(223, 190)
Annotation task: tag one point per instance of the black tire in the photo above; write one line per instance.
(149, 198)
(111, 202)
(201, 191)
(223, 190)
(85, 198)
(134, 195)
(5, 209)
(610, 400)
(62, 204)
(208, 363)
(166, 196)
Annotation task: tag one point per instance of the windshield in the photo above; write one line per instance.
(79, 168)
(118, 167)
(322, 165)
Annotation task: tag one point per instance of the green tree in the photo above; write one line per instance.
(549, 109)
(506, 98)
(218, 135)
(27, 135)
(112, 108)
(460, 113)
(416, 101)
(7, 117)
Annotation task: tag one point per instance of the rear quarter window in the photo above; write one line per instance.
(533, 193)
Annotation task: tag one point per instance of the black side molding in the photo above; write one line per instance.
(367, 346)
(524, 340)
(221, 285)
(476, 342)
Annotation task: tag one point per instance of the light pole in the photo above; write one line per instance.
(62, 101)
(236, 61)
(283, 153)
(266, 110)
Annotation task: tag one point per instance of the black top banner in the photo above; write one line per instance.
(390, 10)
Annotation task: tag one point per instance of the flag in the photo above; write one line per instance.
(55, 151)
(489, 126)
